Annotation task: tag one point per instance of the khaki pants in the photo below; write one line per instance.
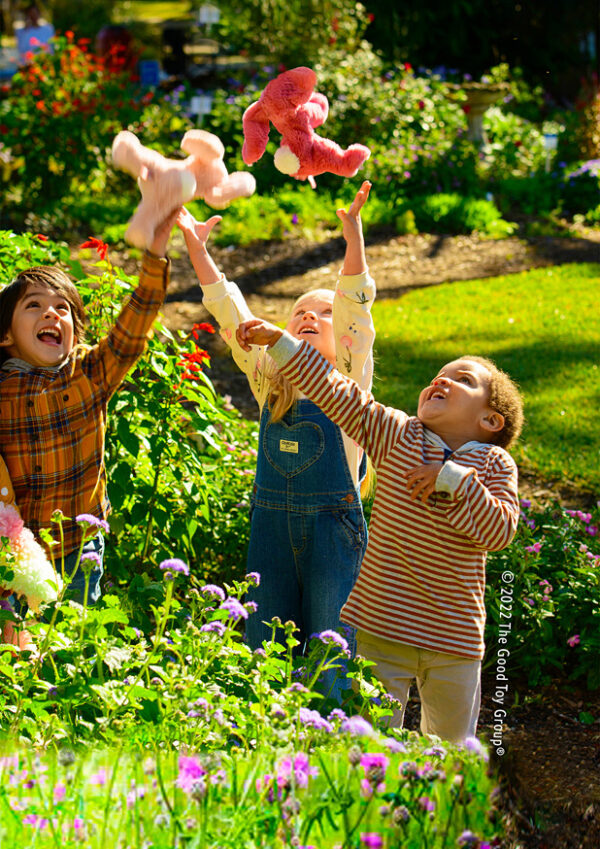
(449, 686)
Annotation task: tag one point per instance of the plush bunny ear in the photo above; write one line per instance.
(256, 133)
(205, 145)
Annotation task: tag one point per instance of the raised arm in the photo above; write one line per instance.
(372, 426)
(223, 300)
(355, 292)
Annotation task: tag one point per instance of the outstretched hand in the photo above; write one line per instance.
(195, 233)
(256, 331)
(420, 480)
(351, 219)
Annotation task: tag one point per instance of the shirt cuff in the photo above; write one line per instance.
(155, 269)
(451, 476)
(215, 291)
(284, 349)
(350, 284)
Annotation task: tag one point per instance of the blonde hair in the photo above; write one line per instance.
(282, 394)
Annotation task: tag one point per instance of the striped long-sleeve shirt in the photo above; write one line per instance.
(422, 580)
(53, 421)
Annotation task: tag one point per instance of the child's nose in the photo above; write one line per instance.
(439, 381)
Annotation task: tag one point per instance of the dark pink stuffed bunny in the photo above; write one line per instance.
(290, 103)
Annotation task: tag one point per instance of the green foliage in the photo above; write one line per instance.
(539, 326)
(355, 789)
(550, 598)
(59, 116)
(291, 34)
(453, 213)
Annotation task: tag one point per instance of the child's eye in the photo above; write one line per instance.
(465, 379)
(31, 304)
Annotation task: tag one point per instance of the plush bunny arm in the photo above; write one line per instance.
(238, 184)
(316, 109)
(256, 133)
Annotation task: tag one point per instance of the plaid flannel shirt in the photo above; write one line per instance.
(53, 422)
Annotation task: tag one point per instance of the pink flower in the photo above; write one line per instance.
(346, 341)
(11, 524)
(534, 549)
(574, 640)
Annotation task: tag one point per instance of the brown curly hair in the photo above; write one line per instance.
(504, 398)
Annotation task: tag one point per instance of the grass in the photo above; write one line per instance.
(152, 11)
(540, 326)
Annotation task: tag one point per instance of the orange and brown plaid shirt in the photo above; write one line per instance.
(53, 422)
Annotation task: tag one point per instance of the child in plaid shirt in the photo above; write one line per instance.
(54, 393)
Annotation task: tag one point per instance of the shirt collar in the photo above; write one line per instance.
(436, 440)
(17, 364)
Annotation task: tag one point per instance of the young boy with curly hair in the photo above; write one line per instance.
(54, 393)
(446, 494)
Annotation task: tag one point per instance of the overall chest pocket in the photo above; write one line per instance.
(292, 449)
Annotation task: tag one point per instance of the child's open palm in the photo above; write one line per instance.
(195, 233)
(351, 219)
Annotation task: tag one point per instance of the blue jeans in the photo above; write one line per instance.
(76, 588)
(307, 532)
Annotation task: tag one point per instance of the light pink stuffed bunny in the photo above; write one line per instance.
(166, 184)
(294, 109)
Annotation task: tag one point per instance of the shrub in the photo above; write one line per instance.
(551, 595)
(453, 213)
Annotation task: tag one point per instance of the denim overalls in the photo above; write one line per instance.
(307, 533)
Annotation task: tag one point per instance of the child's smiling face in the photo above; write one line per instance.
(455, 405)
(41, 331)
(312, 320)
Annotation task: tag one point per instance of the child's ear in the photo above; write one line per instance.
(7, 340)
(492, 421)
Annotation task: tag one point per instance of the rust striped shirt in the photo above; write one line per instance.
(53, 421)
(422, 580)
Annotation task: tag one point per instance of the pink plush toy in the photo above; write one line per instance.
(294, 109)
(166, 184)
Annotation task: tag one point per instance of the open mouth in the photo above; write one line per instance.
(50, 336)
(307, 331)
(437, 395)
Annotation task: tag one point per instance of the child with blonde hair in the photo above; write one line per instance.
(307, 532)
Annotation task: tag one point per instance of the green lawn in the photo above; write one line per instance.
(541, 326)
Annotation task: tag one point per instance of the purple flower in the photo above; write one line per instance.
(253, 578)
(337, 713)
(235, 609)
(375, 766)
(468, 840)
(332, 638)
(534, 549)
(294, 218)
(212, 589)
(174, 565)
(190, 771)
(525, 503)
(426, 803)
(357, 725)
(93, 556)
(251, 606)
(313, 719)
(574, 640)
(213, 628)
(371, 839)
(92, 521)
(472, 744)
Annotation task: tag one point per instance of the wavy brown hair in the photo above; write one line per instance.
(504, 398)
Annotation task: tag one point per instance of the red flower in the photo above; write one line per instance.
(41, 237)
(70, 34)
(421, 104)
(192, 363)
(518, 143)
(100, 246)
(205, 326)
(3, 129)
(370, 17)
(407, 66)
(466, 108)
